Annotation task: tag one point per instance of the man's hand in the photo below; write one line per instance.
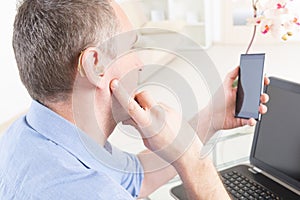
(220, 112)
(162, 128)
(229, 121)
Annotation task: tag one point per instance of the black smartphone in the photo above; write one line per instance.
(250, 86)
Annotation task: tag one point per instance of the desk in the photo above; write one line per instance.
(224, 155)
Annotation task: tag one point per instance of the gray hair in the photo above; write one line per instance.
(48, 38)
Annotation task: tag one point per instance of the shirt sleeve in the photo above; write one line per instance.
(133, 173)
(88, 184)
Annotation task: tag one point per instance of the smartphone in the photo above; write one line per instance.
(250, 86)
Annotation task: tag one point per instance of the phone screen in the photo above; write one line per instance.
(250, 84)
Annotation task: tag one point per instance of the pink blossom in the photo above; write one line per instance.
(276, 17)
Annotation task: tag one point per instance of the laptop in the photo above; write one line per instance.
(274, 169)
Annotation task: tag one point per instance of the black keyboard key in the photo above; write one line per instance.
(250, 191)
(241, 191)
(258, 191)
(251, 198)
(246, 195)
(237, 195)
(255, 195)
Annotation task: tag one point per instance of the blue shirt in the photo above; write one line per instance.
(43, 156)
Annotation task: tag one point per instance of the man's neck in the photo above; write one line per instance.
(64, 109)
(82, 112)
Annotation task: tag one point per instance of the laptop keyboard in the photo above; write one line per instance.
(240, 187)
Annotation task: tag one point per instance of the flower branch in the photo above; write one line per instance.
(254, 3)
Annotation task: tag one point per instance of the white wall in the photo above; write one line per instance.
(282, 59)
(14, 98)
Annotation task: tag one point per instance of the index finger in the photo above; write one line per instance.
(138, 114)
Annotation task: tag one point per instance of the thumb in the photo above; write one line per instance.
(232, 77)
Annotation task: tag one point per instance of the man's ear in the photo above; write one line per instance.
(90, 65)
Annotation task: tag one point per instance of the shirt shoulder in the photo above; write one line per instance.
(34, 167)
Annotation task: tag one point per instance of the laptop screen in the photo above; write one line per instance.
(276, 145)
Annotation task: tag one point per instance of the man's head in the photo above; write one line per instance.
(49, 37)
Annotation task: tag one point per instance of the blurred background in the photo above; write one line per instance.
(219, 26)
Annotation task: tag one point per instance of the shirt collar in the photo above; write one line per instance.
(57, 129)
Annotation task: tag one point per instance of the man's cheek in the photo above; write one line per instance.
(130, 81)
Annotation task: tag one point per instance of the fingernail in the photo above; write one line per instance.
(114, 84)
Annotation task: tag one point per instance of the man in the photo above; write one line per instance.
(59, 149)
